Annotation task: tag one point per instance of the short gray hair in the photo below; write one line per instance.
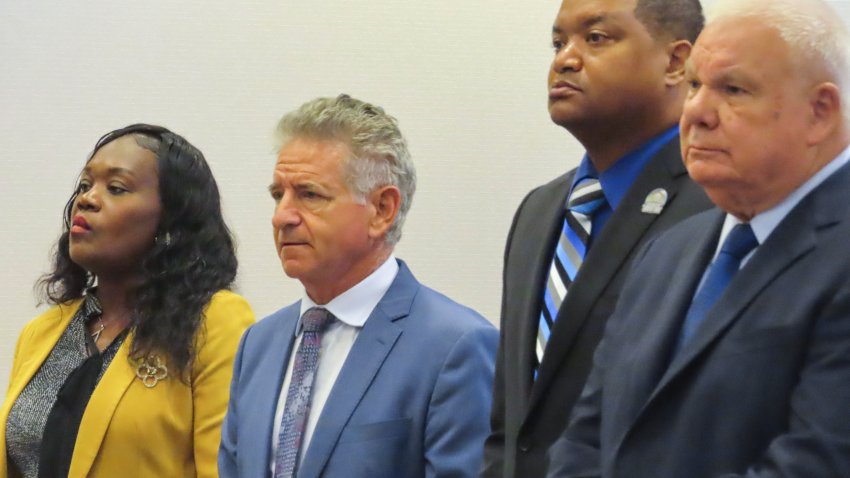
(379, 154)
(811, 29)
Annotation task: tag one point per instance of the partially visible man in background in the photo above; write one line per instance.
(616, 84)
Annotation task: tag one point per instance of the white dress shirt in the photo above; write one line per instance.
(351, 308)
(764, 223)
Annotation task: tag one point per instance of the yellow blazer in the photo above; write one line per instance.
(169, 430)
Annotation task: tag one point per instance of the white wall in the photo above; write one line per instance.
(465, 78)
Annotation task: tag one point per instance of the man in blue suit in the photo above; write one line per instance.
(371, 374)
(728, 354)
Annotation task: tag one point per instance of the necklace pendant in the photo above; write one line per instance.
(96, 334)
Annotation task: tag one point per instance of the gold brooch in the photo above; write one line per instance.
(151, 371)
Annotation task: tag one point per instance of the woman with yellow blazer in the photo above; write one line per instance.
(128, 374)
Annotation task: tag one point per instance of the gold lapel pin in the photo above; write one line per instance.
(151, 371)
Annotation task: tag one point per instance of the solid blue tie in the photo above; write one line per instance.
(297, 407)
(737, 245)
(585, 199)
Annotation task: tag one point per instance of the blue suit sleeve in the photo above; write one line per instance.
(458, 419)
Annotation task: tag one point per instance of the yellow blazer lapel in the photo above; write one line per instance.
(34, 345)
(112, 386)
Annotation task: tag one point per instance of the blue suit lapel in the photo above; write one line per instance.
(276, 350)
(372, 347)
(777, 254)
(649, 357)
(793, 238)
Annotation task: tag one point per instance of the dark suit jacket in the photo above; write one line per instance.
(763, 387)
(528, 416)
(411, 400)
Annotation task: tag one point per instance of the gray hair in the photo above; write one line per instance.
(811, 28)
(379, 154)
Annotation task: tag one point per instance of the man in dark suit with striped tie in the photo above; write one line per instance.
(616, 84)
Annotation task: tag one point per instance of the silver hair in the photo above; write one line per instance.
(379, 154)
(811, 28)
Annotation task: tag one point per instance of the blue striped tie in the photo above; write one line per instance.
(585, 199)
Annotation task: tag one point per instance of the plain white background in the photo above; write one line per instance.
(465, 79)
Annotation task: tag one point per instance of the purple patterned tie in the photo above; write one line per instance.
(297, 408)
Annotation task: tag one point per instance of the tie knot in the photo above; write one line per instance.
(316, 319)
(586, 197)
(740, 241)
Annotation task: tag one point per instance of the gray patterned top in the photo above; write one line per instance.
(28, 415)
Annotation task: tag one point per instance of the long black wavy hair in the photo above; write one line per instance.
(192, 258)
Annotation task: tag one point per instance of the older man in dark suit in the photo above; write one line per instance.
(737, 363)
(616, 84)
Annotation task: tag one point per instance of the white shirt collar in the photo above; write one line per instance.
(355, 305)
(764, 223)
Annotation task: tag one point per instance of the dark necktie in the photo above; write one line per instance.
(585, 199)
(298, 397)
(737, 245)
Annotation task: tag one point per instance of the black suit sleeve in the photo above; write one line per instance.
(494, 446)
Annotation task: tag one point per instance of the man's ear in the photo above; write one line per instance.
(678, 53)
(826, 114)
(385, 203)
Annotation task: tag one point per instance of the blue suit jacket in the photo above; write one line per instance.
(763, 387)
(412, 399)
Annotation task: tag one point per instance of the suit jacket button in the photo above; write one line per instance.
(524, 447)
